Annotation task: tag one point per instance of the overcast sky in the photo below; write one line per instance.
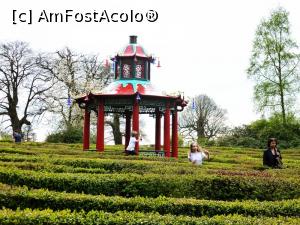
(204, 46)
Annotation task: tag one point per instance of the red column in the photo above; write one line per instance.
(167, 131)
(86, 130)
(100, 127)
(175, 134)
(157, 131)
(135, 122)
(127, 129)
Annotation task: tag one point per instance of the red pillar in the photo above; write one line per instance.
(167, 131)
(135, 122)
(86, 130)
(100, 127)
(175, 134)
(157, 130)
(127, 129)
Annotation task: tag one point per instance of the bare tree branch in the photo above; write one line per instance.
(20, 76)
(202, 120)
(73, 74)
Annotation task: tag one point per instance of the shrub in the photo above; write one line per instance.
(71, 135)
(154, 185)
(256, 134)
(23, 198)
(64, 217)
(5, 137)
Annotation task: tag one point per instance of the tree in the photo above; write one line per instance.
(22, 84)
(114, 123)
(203, 119)
(256, 134)
(274, 65)
(73, 74)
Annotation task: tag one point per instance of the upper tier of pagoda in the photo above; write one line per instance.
(132, 68)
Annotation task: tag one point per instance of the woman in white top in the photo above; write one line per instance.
(196, 154)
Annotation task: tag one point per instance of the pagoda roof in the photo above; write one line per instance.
(130, 87)
(131, 50)
(127, 89)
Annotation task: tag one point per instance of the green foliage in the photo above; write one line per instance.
(273, 65)
(23, 198)
(154, 185)
(256, 134)
(180, 141)
(71, 135)
(28, 216)
(5, 137)
(150, 190)
(6, 140)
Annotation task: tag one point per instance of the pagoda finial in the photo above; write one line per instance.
(132, 39)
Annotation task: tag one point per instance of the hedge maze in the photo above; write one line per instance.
(44, 183)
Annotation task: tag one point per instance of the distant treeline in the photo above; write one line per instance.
(256, 134)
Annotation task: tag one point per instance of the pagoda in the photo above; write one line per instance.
(131, 94)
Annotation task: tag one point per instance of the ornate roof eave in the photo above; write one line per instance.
(149, 57)
(90, 98)
(90, 94)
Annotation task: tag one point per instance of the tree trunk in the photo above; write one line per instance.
(282, 108)
(281, 92)
(16, 126)
(15, 122)
(116, 130)
(200, 129)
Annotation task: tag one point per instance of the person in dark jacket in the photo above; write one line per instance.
(272, 156)
(17, 136)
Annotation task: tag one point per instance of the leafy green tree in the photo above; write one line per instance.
(274, 65)
(256, 134)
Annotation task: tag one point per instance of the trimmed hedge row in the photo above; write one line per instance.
(109, 165)
(47, 167)
(16, 151)
(100, 166)
(20, 158)
(43, 199)
(154, 185)
(66, 217)
(132, 166)
(145, 166)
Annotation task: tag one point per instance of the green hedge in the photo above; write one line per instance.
(110, 165)
(16, 151)
(48, 167)
(43, 199)
(154, 185)
(71, 135)
(67, 217)
(56, 164)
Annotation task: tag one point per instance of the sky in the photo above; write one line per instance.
(204, 46)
